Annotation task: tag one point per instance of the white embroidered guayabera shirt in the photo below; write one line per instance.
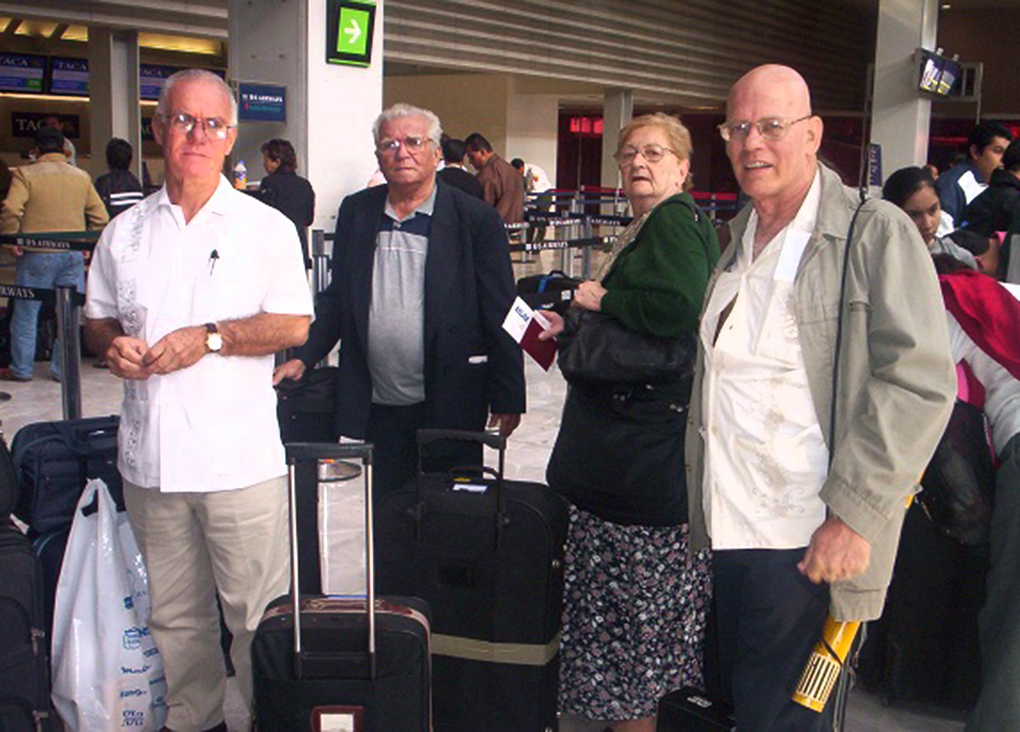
(211, 426)
(765, 456)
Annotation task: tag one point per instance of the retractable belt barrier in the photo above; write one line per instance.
(589, 241)
(68, 241)
(67, 301)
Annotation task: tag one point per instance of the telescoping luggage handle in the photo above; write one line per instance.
(315, 451)
(495, 441)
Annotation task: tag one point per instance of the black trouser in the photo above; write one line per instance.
(768, 617)
(393, 431)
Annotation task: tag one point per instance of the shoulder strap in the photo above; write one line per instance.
(839, 324)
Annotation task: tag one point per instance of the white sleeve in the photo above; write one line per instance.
(1002, 390)
(101, 283)
(288, 292)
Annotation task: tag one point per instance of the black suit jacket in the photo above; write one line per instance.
(291, 195)
(460, 178)
(472, 366)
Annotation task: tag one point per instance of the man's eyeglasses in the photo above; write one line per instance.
(412, 145)
(651, 153)
(770, 128)
(183, 123)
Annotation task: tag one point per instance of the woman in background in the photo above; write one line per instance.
(286, 191)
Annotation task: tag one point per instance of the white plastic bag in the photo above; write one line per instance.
(107, 673)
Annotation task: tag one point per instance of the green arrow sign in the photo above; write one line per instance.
(352, 35)
(350, 26)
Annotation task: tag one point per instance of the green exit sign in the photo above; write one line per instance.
(349, 28)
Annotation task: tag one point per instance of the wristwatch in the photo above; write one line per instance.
(213, 339)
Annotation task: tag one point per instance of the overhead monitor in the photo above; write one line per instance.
(69, 76)
(22, 72)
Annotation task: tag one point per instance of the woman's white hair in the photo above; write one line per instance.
(162, 107)
(399, 110)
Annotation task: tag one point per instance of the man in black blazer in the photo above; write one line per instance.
(455, 174)
(421, 284)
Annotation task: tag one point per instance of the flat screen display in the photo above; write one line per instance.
(151, 79)
(69, 76)
(22, 72)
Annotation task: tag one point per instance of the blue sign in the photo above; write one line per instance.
(874, 164)
(262, 103)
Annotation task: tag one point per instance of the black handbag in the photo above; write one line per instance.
(597, 348)
(958, 486)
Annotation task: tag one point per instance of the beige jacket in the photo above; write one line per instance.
(897, 381)
(51, 195)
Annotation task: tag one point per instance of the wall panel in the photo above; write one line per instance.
(692, 49)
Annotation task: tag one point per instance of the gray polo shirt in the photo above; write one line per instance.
(396, 316)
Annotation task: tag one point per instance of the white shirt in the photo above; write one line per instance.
(765, 456)
(1002, 390)
(212, 426)
(536, 180)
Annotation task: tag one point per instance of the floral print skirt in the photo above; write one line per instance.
(635, 606)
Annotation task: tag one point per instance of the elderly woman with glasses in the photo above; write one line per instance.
(635, 604)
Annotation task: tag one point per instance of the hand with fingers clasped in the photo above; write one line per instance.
(177, 350)
(126, 358)
(836, 552)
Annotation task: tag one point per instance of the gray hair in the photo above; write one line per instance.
(399, 110)
(196, 75)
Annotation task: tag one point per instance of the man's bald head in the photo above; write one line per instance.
(773, 139)
(776, 82)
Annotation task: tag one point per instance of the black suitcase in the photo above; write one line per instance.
(487, 556)
(306, 409)
(54, 461)
(50, 550)
(925, 647)
(691, 710)
(24, 650)
(333, 662)
(555, 288)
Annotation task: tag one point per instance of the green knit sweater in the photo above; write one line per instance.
(657, 283)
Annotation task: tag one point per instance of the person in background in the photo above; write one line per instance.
(996, 212)
(913, 190)
(47, 195)
(190, 294)
(635, 601)
(799, 484)
(119, 189)
(962, 183)
(286, 191)
(53, 120)
(455, 173)
(501, 184)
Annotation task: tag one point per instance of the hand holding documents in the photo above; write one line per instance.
(524, 325)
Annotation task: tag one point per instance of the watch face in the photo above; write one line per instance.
(214, 341)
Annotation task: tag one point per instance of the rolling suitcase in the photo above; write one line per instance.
(306, 408)
(54, 461)
(359, 664)
(487, 556)
(24, 649)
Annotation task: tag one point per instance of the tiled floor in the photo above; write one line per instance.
(529, 449)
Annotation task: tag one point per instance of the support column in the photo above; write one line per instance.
(330, 108)
(113, 94)
(901, 115)
(617, 110)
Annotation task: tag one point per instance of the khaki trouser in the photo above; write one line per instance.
(195, 545)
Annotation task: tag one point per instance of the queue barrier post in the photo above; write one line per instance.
(320, 261)
(69, 334)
